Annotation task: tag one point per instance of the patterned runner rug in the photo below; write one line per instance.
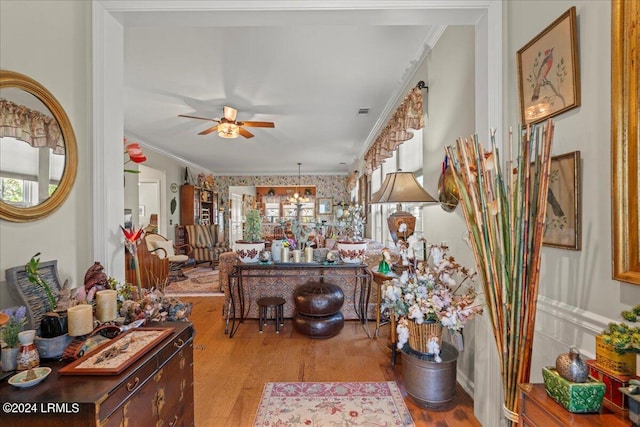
(332, 404)
(200, 281)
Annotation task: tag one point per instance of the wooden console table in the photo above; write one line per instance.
(155, 390)
(289, 276)
(537, 409)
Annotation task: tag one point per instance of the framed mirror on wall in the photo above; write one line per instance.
(625, 149)
(38, 153)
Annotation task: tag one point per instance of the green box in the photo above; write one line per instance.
(574, 397)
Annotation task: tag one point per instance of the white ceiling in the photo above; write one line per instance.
(309, 72)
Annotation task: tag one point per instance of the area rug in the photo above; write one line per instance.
(200, 281)
(332, 404)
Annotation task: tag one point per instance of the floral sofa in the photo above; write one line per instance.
(204, 241)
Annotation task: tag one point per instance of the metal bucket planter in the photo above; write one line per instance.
(431, 384)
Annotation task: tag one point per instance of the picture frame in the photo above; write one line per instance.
(141, 210)
(129, 347)
(563, 217)
(549, 71)
(324, 206)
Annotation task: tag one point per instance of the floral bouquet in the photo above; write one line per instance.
(435, 292)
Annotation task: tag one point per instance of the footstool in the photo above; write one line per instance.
(318, 307)
(276, 304)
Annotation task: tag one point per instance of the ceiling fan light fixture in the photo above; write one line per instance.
(228, 130)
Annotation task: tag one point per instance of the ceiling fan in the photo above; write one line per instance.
(228, 127)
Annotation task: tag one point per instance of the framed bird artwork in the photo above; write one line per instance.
(548, 71)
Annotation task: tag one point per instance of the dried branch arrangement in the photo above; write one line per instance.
(505, 216)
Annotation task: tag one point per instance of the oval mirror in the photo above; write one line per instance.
(38, 153)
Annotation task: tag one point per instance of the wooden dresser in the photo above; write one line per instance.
(539, 410)
(156, 390)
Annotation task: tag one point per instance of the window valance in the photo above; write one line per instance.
(31, 126)
(409, 115)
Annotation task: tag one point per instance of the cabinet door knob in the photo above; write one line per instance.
(179, 343)
(131, 386)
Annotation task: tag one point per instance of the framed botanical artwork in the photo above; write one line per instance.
(325, 206)
(562, 224)
(118, 353)
(548, 71)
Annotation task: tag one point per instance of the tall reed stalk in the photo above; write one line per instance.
(505, 214)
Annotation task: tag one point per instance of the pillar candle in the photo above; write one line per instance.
(106, 305)
(308, 254)
(296, 255)
(80, 320)
(285, 254)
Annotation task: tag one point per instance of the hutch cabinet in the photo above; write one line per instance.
(198, 205)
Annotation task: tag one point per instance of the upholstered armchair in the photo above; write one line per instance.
(204, 241)
(163, 248)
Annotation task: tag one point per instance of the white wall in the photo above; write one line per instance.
(450, 109)
(577, 295)
(54, 48)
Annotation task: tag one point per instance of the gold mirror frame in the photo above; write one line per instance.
(625, 152)
(17, 214)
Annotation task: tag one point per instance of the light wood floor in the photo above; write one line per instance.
(230, 373)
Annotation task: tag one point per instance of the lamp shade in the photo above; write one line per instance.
(401, 187)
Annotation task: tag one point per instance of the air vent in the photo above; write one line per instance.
(363, 112)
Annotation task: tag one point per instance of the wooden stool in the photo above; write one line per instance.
(276, 304)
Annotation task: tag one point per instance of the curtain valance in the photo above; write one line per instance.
(409, 115)
(31, 126)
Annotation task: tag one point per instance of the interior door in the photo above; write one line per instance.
(236, 217)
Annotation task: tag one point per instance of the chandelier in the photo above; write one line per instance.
(297, 197)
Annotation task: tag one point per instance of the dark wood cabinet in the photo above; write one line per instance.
(198, 205)
(155, 390)
(537, 409)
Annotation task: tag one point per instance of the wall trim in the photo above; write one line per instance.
(582, 319)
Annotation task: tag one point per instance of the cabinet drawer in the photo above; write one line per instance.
(128, 387)
(532, 411)
(179, 342)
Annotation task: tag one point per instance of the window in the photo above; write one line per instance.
(408, 157)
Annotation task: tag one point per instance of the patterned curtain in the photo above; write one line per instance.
(30, 126)
(409, 115)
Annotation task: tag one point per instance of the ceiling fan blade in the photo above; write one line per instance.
(230, 113)
(208, 131)
(199, 118)
(257, 124)
(245, 133)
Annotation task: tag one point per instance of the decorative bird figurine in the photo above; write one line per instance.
(541, 76)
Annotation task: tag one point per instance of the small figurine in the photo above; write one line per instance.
(265, 256)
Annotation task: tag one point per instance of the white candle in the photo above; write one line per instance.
(296, 255)
(106, 305)
(308, 254)
(80, 320)
(285, 254)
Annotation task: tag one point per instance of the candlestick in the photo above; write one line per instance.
(106, 305)
(80, 318)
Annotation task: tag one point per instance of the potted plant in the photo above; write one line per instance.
(434, 294)
(351, 245)
(9, 334)
(249, 248)
(624, 340)
(422, 301)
